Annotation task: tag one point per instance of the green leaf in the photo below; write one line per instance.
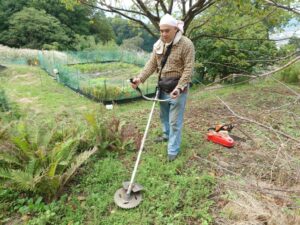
(10, 158)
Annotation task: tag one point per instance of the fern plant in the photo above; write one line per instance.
(40, 160)
(114, 134)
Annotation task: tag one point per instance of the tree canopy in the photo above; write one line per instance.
(228, 40)
(148, 13)
(32, 28)
(53, 25)
(231, 36)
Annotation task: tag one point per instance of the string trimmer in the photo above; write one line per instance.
(129, 196)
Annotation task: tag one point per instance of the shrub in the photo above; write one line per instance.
(4, 106)
(291, 74)
(40, 160)
(113, 135)
(43, 159)
(8, 111)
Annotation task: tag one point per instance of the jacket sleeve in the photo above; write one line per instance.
(149, 68)
(188, 59)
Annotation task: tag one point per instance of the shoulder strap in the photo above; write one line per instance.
(164, 59)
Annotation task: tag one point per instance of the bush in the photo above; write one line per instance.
(40, 160)
(133, 44)
(4, 106)
(103, 92)
(291, 74)
(8, 111)
(113, 135)
(43, 159)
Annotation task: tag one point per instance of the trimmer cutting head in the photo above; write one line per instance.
(127, 202)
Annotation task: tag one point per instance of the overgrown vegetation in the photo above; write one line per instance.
(4, 107)
(40, 160)
(240, 49)
(291, 74)
(117, 70)
(50, 25)
(39, 156)
(109, 81)
(62, 157)
(199, 187)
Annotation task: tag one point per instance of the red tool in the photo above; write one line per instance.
(219, 135)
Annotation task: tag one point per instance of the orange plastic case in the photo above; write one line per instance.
(221, 138)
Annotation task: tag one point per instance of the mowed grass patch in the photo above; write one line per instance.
(37, 93)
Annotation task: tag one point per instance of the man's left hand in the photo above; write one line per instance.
(175, 93)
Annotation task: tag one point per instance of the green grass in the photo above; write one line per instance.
(291, 74)
(116, 70)
(38, 94)
(175, 193)
(108, 81)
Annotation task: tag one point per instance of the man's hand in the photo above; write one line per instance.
(135, 82)
(175, 93)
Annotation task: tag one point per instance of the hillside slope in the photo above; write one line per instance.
(256, 182)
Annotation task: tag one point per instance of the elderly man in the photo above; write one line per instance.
(173, 58)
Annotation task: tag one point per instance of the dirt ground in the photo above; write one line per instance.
(258, 179)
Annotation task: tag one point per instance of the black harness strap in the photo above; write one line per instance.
(164, 59)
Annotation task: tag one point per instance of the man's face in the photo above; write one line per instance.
(167, 33)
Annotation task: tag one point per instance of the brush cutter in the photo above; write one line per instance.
(129, 196)
(147, 98)
(219, 135)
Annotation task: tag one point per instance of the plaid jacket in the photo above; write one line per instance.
(180, 63)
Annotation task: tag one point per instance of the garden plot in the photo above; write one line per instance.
(110, 81)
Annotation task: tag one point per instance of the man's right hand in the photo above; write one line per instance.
(135, 82)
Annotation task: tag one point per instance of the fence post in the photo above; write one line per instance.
(52, 67)
(105, 93)
(77, 79)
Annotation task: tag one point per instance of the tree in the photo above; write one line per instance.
(32, 28)
(125, 29)
(78, 19)
(81, 21)
(295, 42)
(140, 11)
(8, 8)
(101, 28)
(285, 7)
(134, 43)
(228, 40)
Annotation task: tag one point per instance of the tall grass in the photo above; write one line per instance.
(291, 74)
(4, 107)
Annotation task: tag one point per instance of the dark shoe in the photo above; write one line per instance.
(160, 139)
(171, 157)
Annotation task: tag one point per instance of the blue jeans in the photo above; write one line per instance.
(171, 116)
